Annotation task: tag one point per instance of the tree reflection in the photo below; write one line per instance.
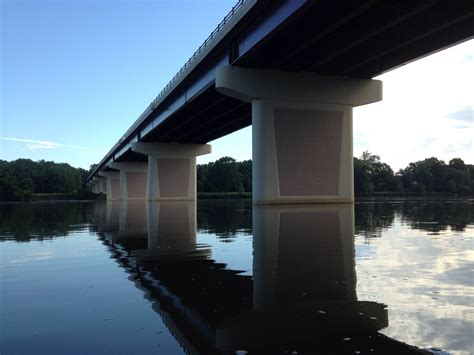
(438, 215)
(429, 215)
(371, 218)
(40, 221)
(225, 218)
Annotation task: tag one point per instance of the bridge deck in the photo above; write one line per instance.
(351, 38)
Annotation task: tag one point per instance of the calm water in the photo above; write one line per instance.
(222, 277)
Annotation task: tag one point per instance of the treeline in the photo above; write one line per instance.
(22, 178)
(225, 175)
(429, 176)
(371, 177)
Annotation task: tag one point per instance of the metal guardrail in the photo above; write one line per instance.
(197, 52)
(186, 65)
(202, 46)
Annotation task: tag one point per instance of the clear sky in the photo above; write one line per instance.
(75, 74)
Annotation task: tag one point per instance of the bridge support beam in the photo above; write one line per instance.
(171, 169)
(113, 184)
(101, 183)
(94, 186)
(301, 132)
(133, 177)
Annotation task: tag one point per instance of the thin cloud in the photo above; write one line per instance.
(465, 115)
(40, 146)
(469, 57)
(36, 144)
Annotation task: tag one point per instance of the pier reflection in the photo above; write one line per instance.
(302, 295)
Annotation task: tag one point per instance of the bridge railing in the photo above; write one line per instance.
(202, 46)
(175, 78)
(186, 65)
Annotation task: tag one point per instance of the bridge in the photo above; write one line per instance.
(293, 69)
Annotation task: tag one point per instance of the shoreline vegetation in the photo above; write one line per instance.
(40, 198)
(27, 180)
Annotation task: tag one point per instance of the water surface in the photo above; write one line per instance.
(390, 276)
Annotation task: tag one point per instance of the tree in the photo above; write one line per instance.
(21, 178)
(370, 175)
(362, 184)
(457, 164)
(429, 172)
(225, 175)
(245, 171)
(420, 188)
(451, 186)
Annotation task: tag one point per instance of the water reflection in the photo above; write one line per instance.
(304, 284)
(302, 295)
(439, 216)
(434, 216)
(287, 283)
(225, 218)
(23, 222)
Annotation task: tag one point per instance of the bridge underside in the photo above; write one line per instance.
(357, 39)
(360, 39)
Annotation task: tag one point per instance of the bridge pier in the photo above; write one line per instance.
(301, 132)
(113, 184)
(101, 184)
(133, 178)
(94, 186)
(171, 169)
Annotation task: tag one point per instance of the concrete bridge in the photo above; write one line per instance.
(293, 69)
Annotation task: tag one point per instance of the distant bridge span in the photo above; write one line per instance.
(293, 69)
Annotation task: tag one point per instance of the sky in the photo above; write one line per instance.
(75, 74)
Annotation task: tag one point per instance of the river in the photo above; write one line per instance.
(220, 276)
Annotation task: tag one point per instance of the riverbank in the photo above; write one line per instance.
(89, 196)
(213, 195)
(85, 196)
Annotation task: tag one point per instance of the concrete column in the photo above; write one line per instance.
(95, 187)
(113, 184)
(171, 169)
(133, 178)
(102, 184)
(301, 132)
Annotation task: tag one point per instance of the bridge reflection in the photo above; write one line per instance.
(302, 295)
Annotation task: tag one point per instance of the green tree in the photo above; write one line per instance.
(21, 178)
(245, 171)
(362, 184)
(451, 186)
(370, 175)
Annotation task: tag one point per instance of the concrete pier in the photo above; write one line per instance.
(171, 170)
(301, 132)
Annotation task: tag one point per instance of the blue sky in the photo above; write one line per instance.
(75, 74)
